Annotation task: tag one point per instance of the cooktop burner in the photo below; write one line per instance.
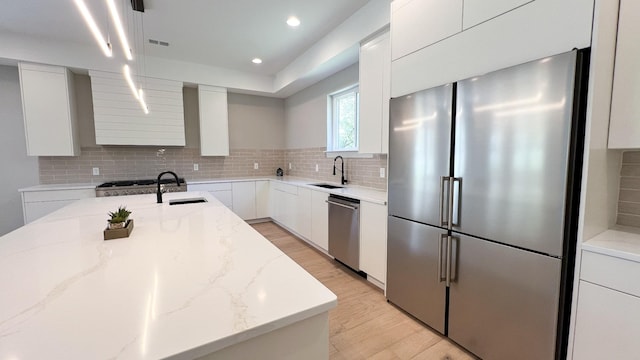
(134, 187)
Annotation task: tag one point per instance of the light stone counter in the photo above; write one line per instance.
(621, 242)
(191, 280)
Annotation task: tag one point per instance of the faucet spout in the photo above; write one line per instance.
(159, 193)
(343, 181)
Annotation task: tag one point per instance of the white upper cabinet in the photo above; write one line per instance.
(120, 120)
(497, 34)
(48, 105)
(375, 89)
(624, 128)
(419, 23)
(477, 11)
(214, 121)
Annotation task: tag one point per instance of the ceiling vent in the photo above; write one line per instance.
(158, 42)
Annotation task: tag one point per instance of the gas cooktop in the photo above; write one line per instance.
(135, 187)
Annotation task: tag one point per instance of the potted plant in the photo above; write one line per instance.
(119, 218)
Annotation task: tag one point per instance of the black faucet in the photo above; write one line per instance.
(343, 181)
(159, 193)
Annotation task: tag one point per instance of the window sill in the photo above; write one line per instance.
(348, 154)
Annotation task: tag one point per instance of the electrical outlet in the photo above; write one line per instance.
(289, 166)
(316, 167)
(96, 171)
(255, 166)
(381, 172)
(196, 167)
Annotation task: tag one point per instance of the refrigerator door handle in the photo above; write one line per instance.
(450, 204)
(441, 276)
(455, 201)
(443, 180)
(448, 274)
(453, 259)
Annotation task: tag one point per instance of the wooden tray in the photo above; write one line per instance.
(110, 234)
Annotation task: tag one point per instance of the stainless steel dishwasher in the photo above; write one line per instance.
(344, 230)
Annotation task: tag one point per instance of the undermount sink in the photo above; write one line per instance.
(187, 201)
(327, 186)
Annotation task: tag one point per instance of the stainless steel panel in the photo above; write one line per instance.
(511, 149)
(419, 151)
(413, 275)
(503, 302)
(344, 231)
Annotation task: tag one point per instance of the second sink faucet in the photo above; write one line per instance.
(343, 181)
(159, 193)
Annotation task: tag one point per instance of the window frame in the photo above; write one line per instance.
(333, 136)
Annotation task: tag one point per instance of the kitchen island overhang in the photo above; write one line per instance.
(192, 280)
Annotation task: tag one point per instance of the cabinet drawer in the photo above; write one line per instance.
(611, 272)
(57, 195)
(291, 189)
(210, 187)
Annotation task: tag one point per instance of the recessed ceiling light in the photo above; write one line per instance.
(293, 21)
(257, 61)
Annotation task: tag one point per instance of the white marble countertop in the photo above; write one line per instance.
(53, 187)
(621, 242)
(358, 192)
(190, 280)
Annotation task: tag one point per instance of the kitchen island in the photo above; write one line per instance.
(191, 281)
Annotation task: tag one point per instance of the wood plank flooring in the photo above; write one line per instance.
(363, 325)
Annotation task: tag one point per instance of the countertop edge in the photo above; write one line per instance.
(615, 242)
(263, 329)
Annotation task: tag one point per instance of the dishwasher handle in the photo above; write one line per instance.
(342, 205)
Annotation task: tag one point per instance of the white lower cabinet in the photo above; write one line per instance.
(221, 191)
(607, 324)
(263, 209)
(303, 213)
(608, 311)
(36, 204)
(373, 240)
(244, 199)
(320, 219)
(285, 203)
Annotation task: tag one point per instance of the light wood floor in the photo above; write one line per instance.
(364, 325)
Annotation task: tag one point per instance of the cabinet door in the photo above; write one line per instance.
(373, 240)
(375, 66)
(262, 199)
(607, 324)
(419, 23)
(36, 210)
(624, 128)
(320, 219)
(477, 11)
(225, 197)
(303, 213)
(244, 199)
(288, 210)
(48, 104)
(214, 124)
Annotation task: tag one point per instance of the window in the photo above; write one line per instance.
(342, 124)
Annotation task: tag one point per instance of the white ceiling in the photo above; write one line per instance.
(221, 33)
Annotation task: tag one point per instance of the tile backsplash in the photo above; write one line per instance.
(629, 197)
(137, 162)
(358, 171)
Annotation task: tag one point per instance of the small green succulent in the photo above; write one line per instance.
(121, 215)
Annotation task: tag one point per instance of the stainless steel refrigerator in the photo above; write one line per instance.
(483, 189)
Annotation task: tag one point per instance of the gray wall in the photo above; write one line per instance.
(19, 170)
(255, 122)
(306, 111)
